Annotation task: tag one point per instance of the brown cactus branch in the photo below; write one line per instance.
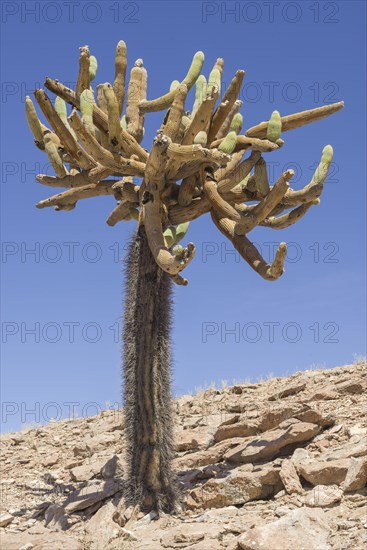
(187, 190)
(71, 180)
(249, 252)
(201, 119)
(239, 173)
(114, 126)
(71, 196)
(136, 92)
(172, 125)
(126, 189)
(81, 158)
(290, 218)
(122, 212)
(100, 118)
(290, 122)
(255, 144)
(83, 82)
(165, 101)
(224, 129)
(120, 74)
(225, 107)
(106, 158)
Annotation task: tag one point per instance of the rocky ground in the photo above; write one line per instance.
(278, 465)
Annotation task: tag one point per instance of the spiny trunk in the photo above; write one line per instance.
(147, 380)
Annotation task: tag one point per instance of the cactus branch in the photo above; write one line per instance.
(120, 74)
(290, 122)
(249, 252)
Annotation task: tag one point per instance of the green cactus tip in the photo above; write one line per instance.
(201, 138)
(194, 70)
(214, 80)
(86, 103)
(181, 231)
(229, 143)
(274, 126)
(174, 85)
(93, 66)
(236, 124)
(177, 250)
(327, 154)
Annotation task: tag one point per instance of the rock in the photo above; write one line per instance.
(347, 450)
(81, 450)
(101, 529)
(300, 455)
(55, 518)
(101, 441)
(239, 429)
(288, 390)
(5, 519)
(325, 472)
(183, 536)
(323, 495)
(288, 475)
(238, 487)
(211, 455)
(324, 395)
(145, 520)
(270, 443)
(301, 526)
(129, 535)
(356, 477)
(87, 471)
(188, 440)
(107, 468)
(351, 386)
(47, 541)
(50, 460)
(91, 494)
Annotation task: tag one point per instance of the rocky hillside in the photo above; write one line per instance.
(279, 465)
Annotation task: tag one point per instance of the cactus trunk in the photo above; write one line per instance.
(147, 380)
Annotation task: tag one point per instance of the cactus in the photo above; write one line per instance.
(201, 138)
(229, 143)
(86, 108)
(322, 170)
(200, 90)
(93, 66)
(274, 127)
(194, 167)
(174, 85)
(194, 70)
(33, 122)
(214, 81)
(236, 124)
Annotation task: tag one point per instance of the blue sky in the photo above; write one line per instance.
(229, 324)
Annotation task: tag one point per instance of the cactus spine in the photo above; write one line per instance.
(147, 379)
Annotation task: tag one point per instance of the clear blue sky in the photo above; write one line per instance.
(297, 55)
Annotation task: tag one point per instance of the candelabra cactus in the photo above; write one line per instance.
(194, 166)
